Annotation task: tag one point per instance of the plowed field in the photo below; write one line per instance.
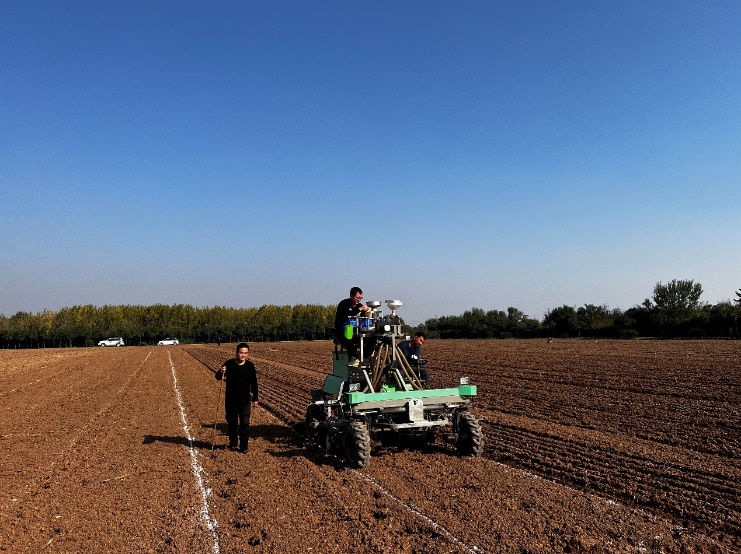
(591, 446)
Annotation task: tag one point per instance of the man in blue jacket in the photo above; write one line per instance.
(412, 351)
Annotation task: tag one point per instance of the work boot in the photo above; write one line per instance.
(354, 362)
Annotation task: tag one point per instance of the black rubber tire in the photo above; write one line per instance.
(470, 436)
(357, 445)
(313, 415)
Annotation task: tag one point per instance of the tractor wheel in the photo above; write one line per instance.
(470, 436)
(314, 415)
(357, 445)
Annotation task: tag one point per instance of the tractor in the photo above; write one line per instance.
(360, 407)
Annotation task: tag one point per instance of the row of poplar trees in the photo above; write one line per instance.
(675, 310)
(86, 325)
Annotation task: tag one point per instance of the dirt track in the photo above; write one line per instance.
(608, 446)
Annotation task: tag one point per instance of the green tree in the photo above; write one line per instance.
(562, 321)
(308, 321)
(4, 328)
(496, 323)
(676, 302)
(595, 320)
(446, 327)
(518, 322)
(20, 326)
(723, 319)
(285, 322)
(474, 324)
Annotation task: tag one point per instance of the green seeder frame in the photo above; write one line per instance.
(388, 395)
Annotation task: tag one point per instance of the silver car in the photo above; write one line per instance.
(112, 341)
(168, 341)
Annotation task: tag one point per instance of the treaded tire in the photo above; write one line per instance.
(314, 434)
(470, 436)
(357, 445)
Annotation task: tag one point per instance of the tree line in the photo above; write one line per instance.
(141, 325)
(675, 310)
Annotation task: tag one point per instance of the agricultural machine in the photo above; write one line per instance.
(383, 398)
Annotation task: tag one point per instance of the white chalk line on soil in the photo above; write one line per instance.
(415, 510)
(210, 523)
(439, 528)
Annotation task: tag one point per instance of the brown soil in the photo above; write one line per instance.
(591, 446)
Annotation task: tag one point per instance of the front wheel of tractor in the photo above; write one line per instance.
(357, 445)
(313, 430)
(470, 436)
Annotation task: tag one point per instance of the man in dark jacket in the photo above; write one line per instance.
(349, 307)
(412, 352)
(241, 380)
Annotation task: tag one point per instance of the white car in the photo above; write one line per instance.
(168, 341)
(113, 341)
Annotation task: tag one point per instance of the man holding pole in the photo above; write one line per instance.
(240, 396)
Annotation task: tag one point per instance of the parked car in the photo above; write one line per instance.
(112, 341)
(168, 341)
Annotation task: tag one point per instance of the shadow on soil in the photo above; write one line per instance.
(290, 443)
(319, 456)
(275, 434)
(183, 441)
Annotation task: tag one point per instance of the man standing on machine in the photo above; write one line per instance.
(348, 308)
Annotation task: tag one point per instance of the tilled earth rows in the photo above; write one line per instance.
(607, 446)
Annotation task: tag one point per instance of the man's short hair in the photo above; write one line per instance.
(354, 291)
(242, 345)
(420, 334)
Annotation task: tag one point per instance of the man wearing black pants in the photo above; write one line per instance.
(348, 308)
(241, 380)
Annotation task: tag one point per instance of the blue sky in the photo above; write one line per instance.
(449, 154)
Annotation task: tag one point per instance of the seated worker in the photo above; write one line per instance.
(411, 351)
(348, 308)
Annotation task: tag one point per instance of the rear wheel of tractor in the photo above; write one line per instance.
(312, 431)
(470, 436)
(357, 445)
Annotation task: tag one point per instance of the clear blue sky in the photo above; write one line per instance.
(450, 154)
